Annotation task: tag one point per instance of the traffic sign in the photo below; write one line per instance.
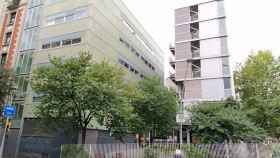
(9, 111)
(180, 118)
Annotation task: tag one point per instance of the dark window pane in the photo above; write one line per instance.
(8, 38)
(66, 42)
(227, 83)
(46, 46)
(55, 44)
(76, 40)
(12, 18)
(3, 59)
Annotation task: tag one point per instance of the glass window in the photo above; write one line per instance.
(58, 20)
(74, 14)
(227, 83)
(66, 42)
(3, 59)
(46, 46)
(8, 38)
(55, 44)
(12, 18)
(76, 40)
(226, 68)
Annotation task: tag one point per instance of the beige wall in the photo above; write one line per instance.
(182, 15)
(193, 89)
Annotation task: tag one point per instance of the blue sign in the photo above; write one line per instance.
(9, 111)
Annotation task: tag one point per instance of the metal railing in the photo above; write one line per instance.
(195, 34)
(194, 15)
(171, 151)
(196, 74)
(195, 52)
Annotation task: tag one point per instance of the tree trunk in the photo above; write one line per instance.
(84, 133)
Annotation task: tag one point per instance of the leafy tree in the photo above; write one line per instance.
(258, 83)
(254, 77)
(155, 106)
(6, 84)
(215, 122)
(77, 92)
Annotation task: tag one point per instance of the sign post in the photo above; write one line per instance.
(9, 112)
(180, 119)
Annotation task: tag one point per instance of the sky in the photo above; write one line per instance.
(251, 24)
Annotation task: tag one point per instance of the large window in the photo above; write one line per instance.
(8, 38)
(226, 68)
(12, 18)
(227, 83)
(24, 63)
(3, 59)
(66, 40)
(48, 2)
(67, 16)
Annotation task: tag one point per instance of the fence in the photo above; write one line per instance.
(170, 150)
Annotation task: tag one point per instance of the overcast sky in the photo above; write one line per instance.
(251, 24)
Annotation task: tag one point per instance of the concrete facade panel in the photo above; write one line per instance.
(193, 89)
(183, 70)
(183, 51)
(210, 10)
(209, 29)
(212, 89)
(211, 68)
(182, 15)
(182, 33)
(211, 47)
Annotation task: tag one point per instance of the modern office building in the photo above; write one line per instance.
(201, 52)
(64, 28)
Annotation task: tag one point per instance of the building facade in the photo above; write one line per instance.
(201, 52)
(43, 29)
(11, 21)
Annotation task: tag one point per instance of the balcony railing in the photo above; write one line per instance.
(195, 53)
(196, 73)
(195, 34)
(194, 16)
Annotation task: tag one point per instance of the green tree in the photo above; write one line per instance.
(216, 122)
(77, 92)
(254, 77)
(155, 107)
(258, 84)
(6, 84)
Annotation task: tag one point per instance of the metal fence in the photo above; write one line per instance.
(170, 151)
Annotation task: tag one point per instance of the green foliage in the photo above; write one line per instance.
(150, 153)
(155, 106)
(192, 151)
(258, 84)
(275, 150)
(6, 84)
(73, 151)
(214, 122)
(76, 92)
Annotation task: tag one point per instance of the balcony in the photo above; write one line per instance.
(172, 49)
(172, 77)
(196, 69)
(194, 16)
(172, 64)
(13, 4)
(196, 73)
(194, 12)
(195, 34)
(195, 52)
